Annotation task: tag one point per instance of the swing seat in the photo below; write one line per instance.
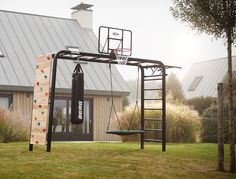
(125, 132)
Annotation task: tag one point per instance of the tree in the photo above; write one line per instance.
(217, 18)
(174, 87)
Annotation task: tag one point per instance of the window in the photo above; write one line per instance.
(5, 101)
(195, 83)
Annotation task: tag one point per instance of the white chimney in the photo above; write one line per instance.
(83, 14)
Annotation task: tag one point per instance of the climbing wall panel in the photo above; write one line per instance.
(40, 112)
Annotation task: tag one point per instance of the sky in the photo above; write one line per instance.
(156, 34)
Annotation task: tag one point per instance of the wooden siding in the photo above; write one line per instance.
(23, 101)
(102, 105)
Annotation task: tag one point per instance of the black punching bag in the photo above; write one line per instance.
(77, 97)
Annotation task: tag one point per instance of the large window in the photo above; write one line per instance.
(63, 129)
(5, 101)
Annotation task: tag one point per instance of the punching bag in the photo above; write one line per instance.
(77, 97)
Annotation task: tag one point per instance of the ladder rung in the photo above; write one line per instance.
(147, 130)
(153, 89)
(149, 76)
(158, 109)
(153, 119)
(112, 38)
(153, 99)
(152, 140)
(154, 79)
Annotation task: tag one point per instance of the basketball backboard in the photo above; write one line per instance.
(110, 38)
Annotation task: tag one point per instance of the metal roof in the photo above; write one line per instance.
(211, 73)
(23, 37)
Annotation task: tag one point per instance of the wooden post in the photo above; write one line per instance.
(220, 127)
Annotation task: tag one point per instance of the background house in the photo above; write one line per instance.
(23, 37)
(202, 77)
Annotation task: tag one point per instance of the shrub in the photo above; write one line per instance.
(13, 127)
(183, 123)
(200, 103)
(209, 125)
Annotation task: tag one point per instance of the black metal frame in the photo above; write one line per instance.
(106, 58)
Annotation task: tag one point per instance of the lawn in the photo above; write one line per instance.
(110, 160)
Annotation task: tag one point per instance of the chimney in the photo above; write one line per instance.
(83, 14)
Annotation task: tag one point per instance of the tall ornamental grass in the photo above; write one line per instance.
(182, 123)
(13, 126)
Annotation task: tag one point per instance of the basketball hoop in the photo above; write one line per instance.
(122, 55)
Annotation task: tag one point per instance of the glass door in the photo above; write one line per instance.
(64, 130)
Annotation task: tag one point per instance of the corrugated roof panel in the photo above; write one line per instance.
(3, 78)
(63, 27)
(23, 49)
(28, 34)
(18, 50)
(37, 35)
(92, 37)
(12, 64)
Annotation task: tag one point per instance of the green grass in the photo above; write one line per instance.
(110, 160)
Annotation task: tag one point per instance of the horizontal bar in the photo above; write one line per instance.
(153, 109)
(149, 76)
(111, 38)
(148, 130)
(153, 119)
(154, 99)
(153, 89)
(155, 79)
(152, 140)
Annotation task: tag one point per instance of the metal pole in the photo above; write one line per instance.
(52, 97)
(142, 107)
(163, 109)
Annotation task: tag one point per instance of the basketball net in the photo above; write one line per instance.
(122, 55)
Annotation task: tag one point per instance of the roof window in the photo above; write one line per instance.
(195, 83)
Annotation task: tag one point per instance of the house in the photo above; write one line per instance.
(23, 37)
(202, 77)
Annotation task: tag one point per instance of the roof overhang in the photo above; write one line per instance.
(66, 91)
